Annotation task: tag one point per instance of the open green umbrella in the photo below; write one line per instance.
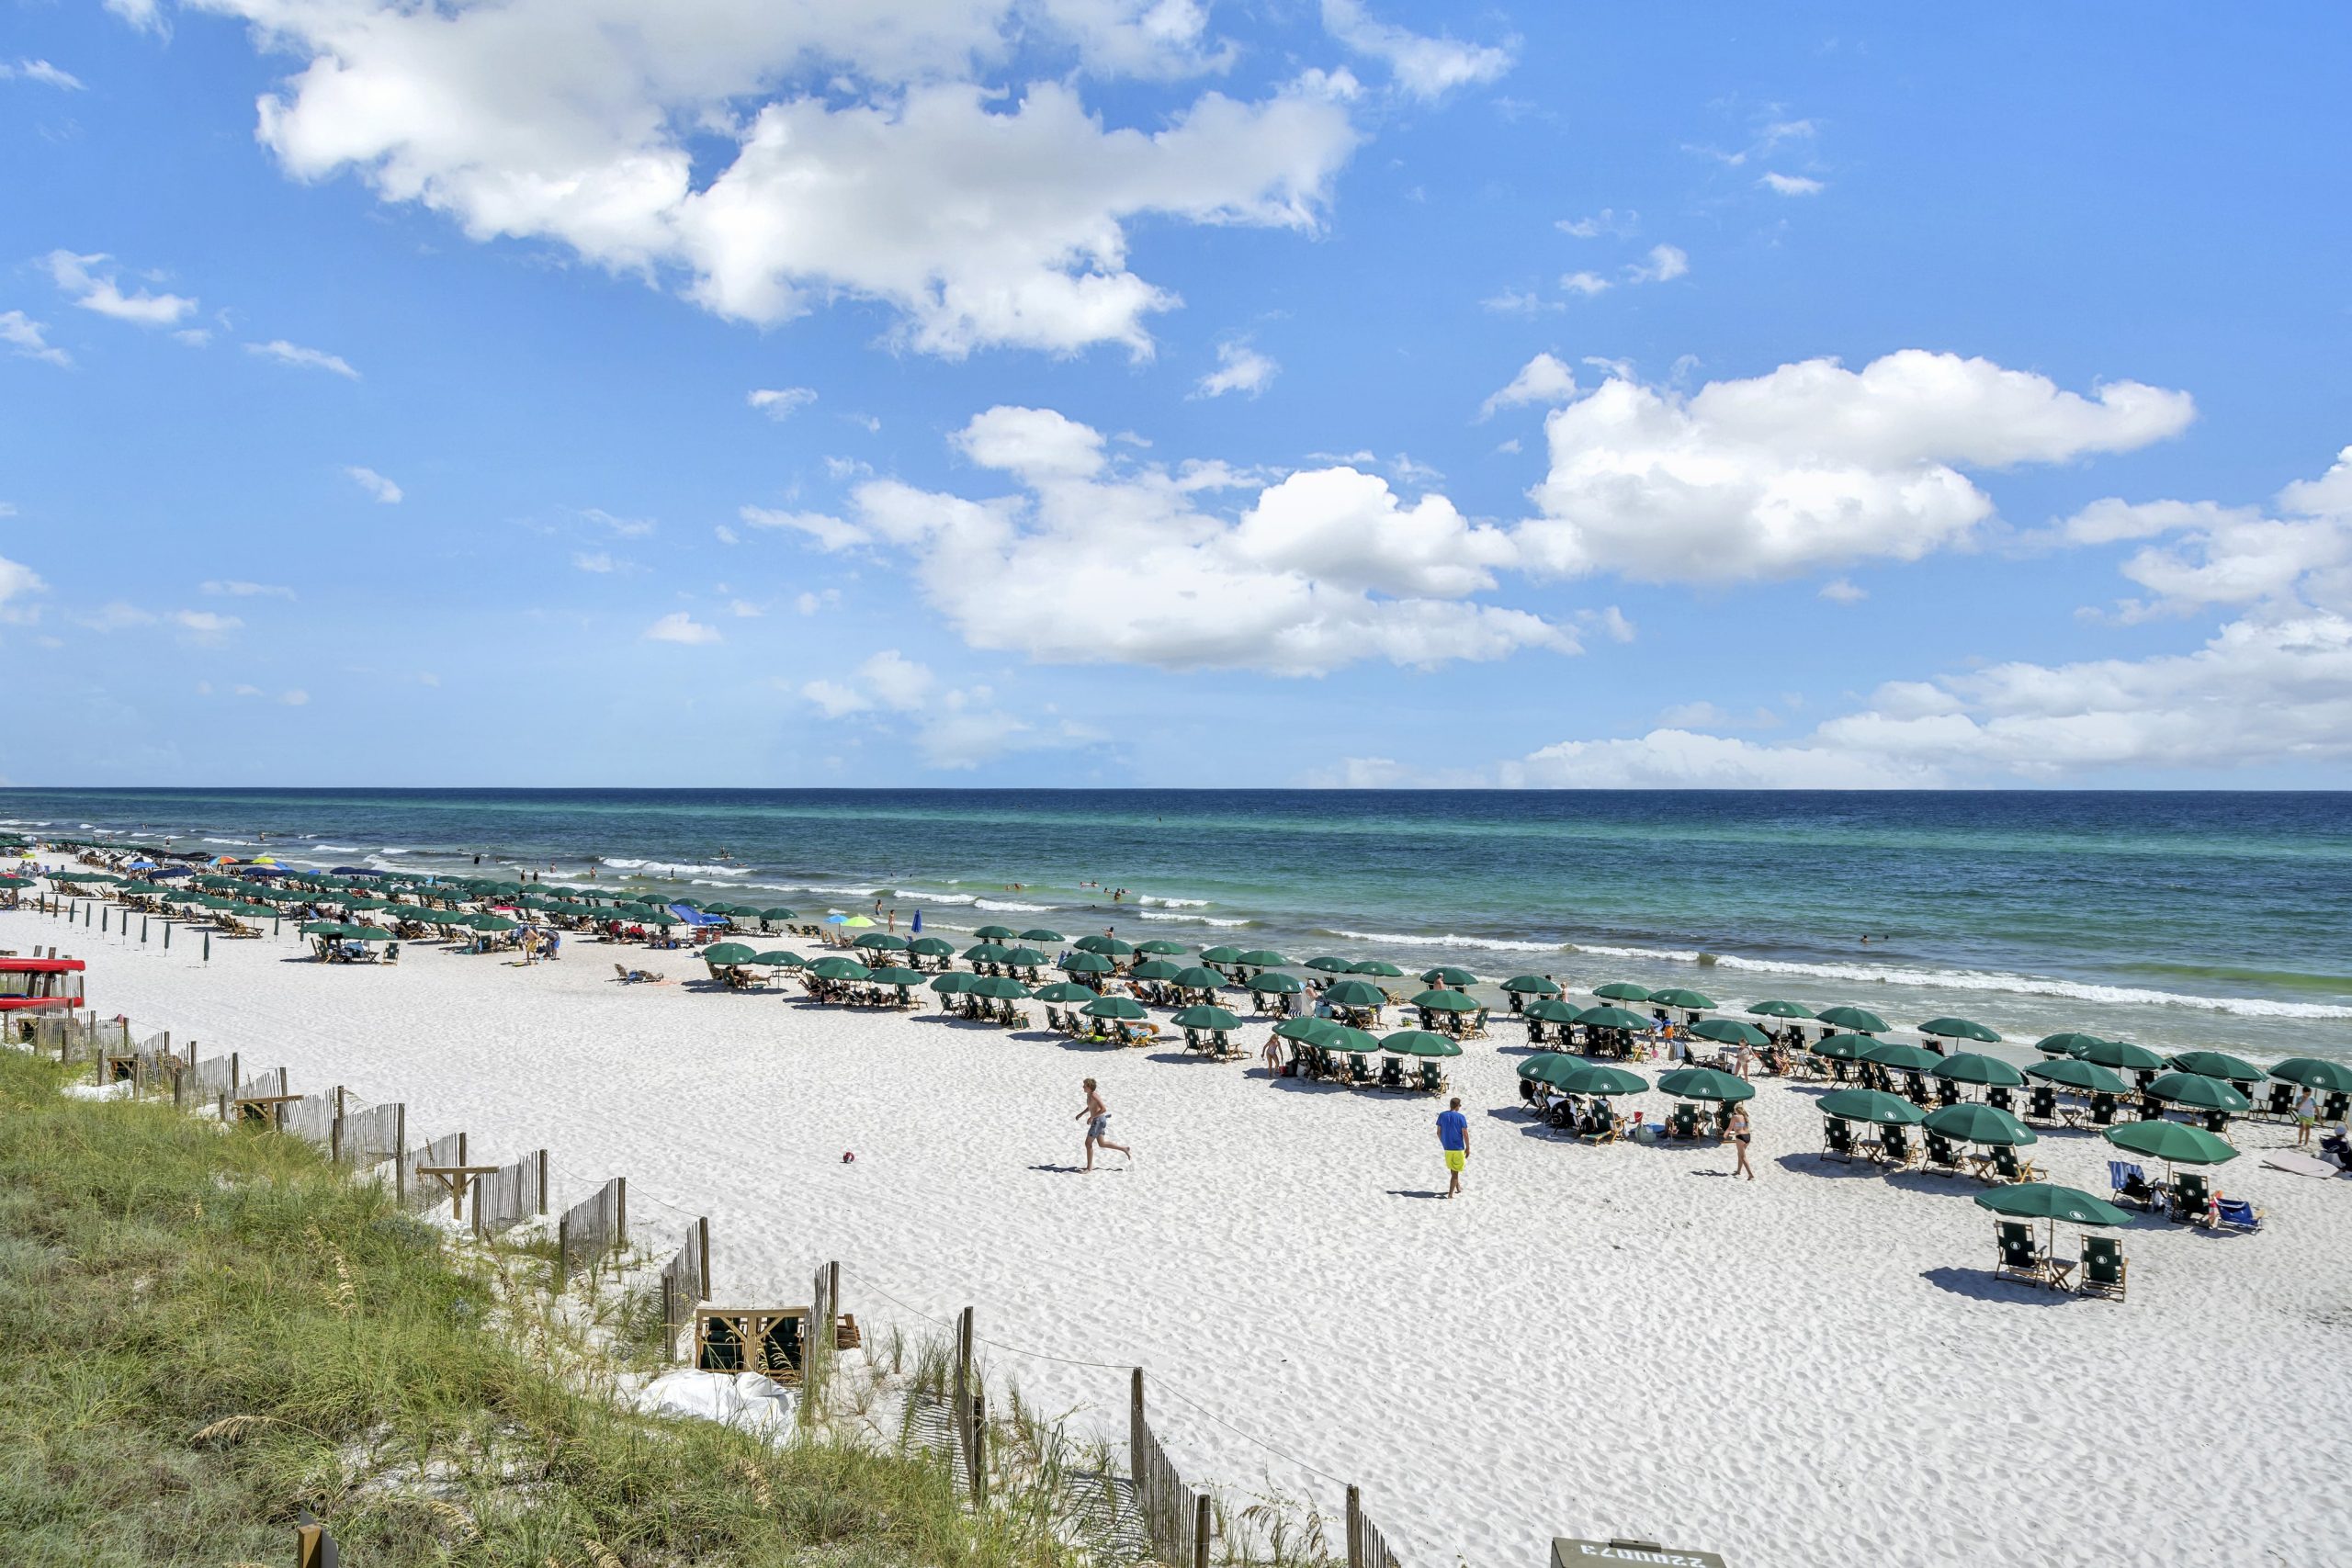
(1706, 1083)
(895, 975)
(1307, 1031)
(1730, 1031)
(1286, 985)
(1067, 992)
(1108, 946)
(1125, 1008)
(2043, 1201)
(1853, 1019)
(1551, 1010)
(1959, 1029)
(1263, 958)
(2216, 1065)
(994, 934)
(654, 918)
(1532, 985)
(491, 923)
(1419, 1042)
(2123, 1056)
(1622, 991)
(1203, 1015)
(1676, 997)
(1447, 975)
(322, 928)
(1086, 963)
(725, 955)
(779, 913)
(1024, 958)
(1552, 1067)
(1379, 968)
(1215, 956)
(1973, 1123)
(838, 968)
(1355, 1041)
(986, 952)
(997, 987)
(1155, 969)
(1328, 964)
(1159, 947)
(1354, 994)
(1612, 1018)
(2198, 1090)
(2175, 1142)
(881, 941)
(1902, 1058)
(1779, 1010)
(2310, 1072)
(956, 982)
(2072, 1072)
(1601, 1078)
(1872, 1106)
(1197, 979)
(1969, 1066)
(932, 947)
(1040, 934)
(1442, 1001)
(777, 958)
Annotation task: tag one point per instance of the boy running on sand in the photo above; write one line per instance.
(1097, 1117)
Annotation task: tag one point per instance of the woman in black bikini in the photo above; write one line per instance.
(1738, 1130)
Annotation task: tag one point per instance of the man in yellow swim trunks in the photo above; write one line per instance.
(1454, 1137)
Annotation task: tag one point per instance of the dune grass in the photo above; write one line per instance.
(203, 1331)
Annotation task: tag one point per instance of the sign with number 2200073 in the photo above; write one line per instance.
(1568, 1554)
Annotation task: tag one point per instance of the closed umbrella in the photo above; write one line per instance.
(1853, 1019)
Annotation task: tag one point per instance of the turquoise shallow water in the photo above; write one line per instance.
(2175, 919)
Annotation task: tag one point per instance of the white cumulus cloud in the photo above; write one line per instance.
(30, 339)
(1240, 369)
(293, 355)
(90, 282)
(781, 402)
(1793, 185)
(1424, 67)
(680, 626)
(1546, 378)
(374, 484)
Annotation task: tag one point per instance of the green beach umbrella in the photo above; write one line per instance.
(2072, 1072)
(491, 923)
(322, 928)
(721, 955)
(1024, 958)
(1779, 1010)
(1355, 1041)
(1612, 1018)
(779, 959)
(2174, 1142)
(1730, 1031)
(1155, 969)
(1379, 968)
(1443, 1002)
(881, 941)
(1283, 984)
(2310, 1072)
(1971, 1124)
(1307, 1031)
(998, 988)
(932, 947)
(1086, 963)
(1067, 992)
(1688, 1001)
(1197, 978)
(1328, 966)
(1968, 1066)
(996, 933)
(895, 975)
(2123, 1056)
(1622, 991)
(1040, 934)
(2216, 1065)
(1354, 994)
(778, 914)
(1552, 1067)
(1853, 1019)
(986, 952)
(1599, 1078)
(956, 982)
(1157, 947)
(1532, 985)
(1203, 1015)
(1447, 975)
(838, 968)
(1126, 1008)
(1707, 1083)
(1902, 1058)
(1551, 1010)
(2069, 1042)
(2198, 1090)
(1870, 1105)
(1959, 1029)
(1419, 1042)
(2044, 1200)
(1262, 958)
(1108, 946)
(1220, 955)
(655, 917)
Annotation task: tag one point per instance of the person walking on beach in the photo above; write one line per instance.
(1454, 1137)
(1738, 1130)
(1097, 1117)
(2306, 1117)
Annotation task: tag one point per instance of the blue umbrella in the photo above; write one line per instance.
(918, 925)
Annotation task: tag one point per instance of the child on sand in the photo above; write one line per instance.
(1097, 1117)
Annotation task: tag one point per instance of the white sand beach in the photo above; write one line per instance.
(1816, 1367)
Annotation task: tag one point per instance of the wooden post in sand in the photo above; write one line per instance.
(961, 1412)
(1355, 1528)
(1134, 1427)
(1203, 1526)
(543, 1191)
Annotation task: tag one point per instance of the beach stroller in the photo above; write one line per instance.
(2019, 1255)
(2130, 1184)
(2103, 1267)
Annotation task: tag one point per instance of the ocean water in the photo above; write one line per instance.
(2176, 920)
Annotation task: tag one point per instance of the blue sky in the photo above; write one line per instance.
(1102, 391)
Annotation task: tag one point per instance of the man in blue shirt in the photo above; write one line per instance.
(1454, 1137)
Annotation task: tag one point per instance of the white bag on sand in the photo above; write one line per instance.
(736, 1399)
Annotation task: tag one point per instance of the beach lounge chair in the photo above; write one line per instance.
(2019, 1255)
(2335, 1106)
(2041, 1104)
(1684, 1122)
(2104, 1268)
(1894, 1148)
(2280, 1106)
(1942, 1156)
(629, 977)
(2006, 1167)
(1359, 1070)
(1999, 1099)
(1392, 1073)
(2130, 1184)
(2189, 1196)
(1434, 1079)
(2236, 1214)
(2102, 1111)
(1838, 1140)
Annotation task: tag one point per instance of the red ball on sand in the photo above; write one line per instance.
(848, 1158)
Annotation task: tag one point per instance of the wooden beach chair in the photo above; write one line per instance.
(2129, 1184)
(1895, 1148)
(1943, 1158)
(2006, 1167)
(2189, 1196)
(2104, 1268)
(1838, 1140)
(769, 1340)
(2017, 1256)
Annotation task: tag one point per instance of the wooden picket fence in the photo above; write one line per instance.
(686, 1284)
(591, 1229)
(511, 1194)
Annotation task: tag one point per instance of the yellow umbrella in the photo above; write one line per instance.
(857, 920)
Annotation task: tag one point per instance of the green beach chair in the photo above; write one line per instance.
(1838, 1140)
(2019, 1256)
(2189, 1196)
(2104, 1268)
